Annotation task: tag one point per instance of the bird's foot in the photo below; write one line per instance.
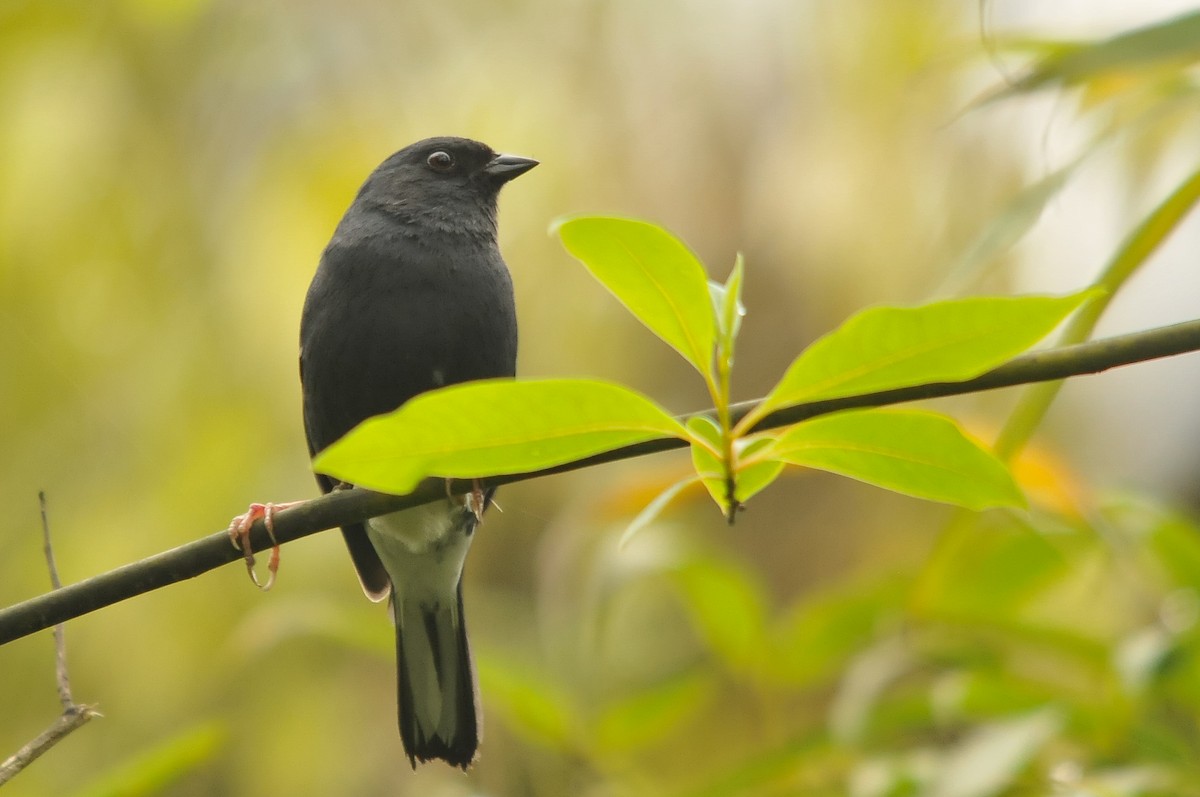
(239, 536)
(476, 501)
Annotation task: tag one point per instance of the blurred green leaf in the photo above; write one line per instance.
(909, 451)
(532, 705)
(1163, 743)
(653, 274)
(1173, 40)
(980, 572)
(155, 770)
(890, 347)
(1007, 227)
(653, 509)
(775, 770)
(1004, 589)
(1134, 251)
(984, 689)
(728, 606)
(820, 633)
(633, 723)
(493, 427)
(1175, 541)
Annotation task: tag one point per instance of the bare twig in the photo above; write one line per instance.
(67, 722)
(354, 506)
(74, 715)
(60, 637)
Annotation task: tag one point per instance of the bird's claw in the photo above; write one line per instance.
(476, 501)
(239, 536)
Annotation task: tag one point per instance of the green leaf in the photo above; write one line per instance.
(650, 716)
(727, 301)
(728, 606)
(883, 348)
(1129, 258)
(716, 292)
(709, 468)
(916, 453)
(653, 274)
(532, 704)
(704, 430)
(749, 478)
(983, 576)
(654, 509)
(1174, 541)
(733, 309)
(1176, 39)
(814, 639)
(754, 477)
(493, 427)
(1007, 227)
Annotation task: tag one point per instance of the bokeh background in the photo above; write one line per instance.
(169, 173)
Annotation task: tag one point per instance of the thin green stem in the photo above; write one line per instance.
(724, 367)
(1136, 250)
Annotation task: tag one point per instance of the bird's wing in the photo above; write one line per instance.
(371, 573)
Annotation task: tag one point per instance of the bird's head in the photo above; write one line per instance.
(445, 183)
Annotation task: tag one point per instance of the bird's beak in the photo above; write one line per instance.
(503, 168)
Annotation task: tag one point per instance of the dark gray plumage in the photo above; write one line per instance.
(410, 295)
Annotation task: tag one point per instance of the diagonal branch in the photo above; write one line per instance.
(354, 506)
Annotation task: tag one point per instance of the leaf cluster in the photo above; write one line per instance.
(496, 427)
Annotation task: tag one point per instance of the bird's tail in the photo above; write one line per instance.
(439, 717)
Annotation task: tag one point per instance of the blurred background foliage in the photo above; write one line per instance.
(169, 173)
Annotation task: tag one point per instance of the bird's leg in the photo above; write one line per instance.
(239, 536)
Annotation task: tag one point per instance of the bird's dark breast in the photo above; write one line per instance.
(383, 323)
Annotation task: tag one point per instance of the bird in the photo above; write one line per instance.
(411, 295)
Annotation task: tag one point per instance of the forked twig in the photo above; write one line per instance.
(74, 715)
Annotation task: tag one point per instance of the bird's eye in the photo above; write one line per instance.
(440, 161)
